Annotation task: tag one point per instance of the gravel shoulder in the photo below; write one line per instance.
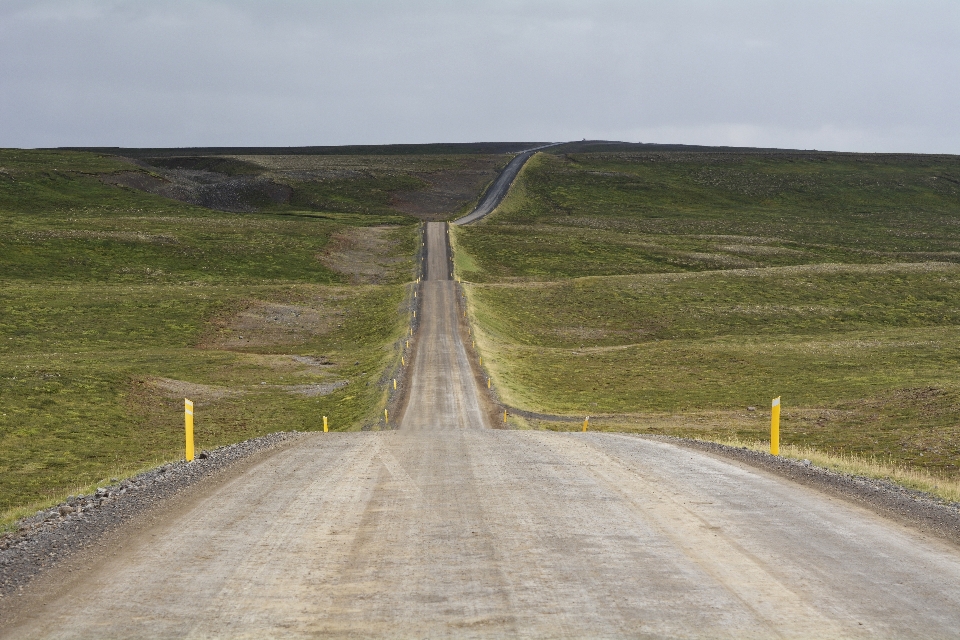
(85, 526)
(924, 511)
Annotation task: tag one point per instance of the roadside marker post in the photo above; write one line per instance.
(188, 428)
(403, 362)
(775, 427)
(324, 424)
(481, 360)
(504, 416)
(586, 423)
(394, 384)
(386, 417)
(488, 383)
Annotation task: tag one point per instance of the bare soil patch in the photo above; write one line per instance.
(271, 324)
(314, 390)
(199, 393)
(363, 254)
(286, 363)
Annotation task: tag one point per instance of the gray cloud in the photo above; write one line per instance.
(864, 76)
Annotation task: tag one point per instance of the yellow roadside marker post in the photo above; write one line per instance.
(394, 384)
(403, 362)
(775, 427)
(386, 417)
(188, 427)
(324, 424)
(481, 360)
(504, 416)
(488, 383)
(586, 423)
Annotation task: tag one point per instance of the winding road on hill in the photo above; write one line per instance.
(448, 527)
(498, 189)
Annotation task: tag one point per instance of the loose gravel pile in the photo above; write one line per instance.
(47, 538)
(915, 508)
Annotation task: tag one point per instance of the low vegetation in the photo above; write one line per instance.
(678, 292)
(117, 301)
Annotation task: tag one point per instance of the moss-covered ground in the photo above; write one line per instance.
(671, 291)
(115, 304)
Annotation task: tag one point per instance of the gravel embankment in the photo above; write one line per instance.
(909, 506)
(53, 535)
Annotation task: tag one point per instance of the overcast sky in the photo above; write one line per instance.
(843, 75)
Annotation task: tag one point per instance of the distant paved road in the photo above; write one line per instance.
(448, 528)
(498, 190)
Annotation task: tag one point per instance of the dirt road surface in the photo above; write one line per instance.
(448, 528)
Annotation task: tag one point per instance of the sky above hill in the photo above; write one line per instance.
(842, 75)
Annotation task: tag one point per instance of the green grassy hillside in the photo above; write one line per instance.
(115, 304)
(672, 290)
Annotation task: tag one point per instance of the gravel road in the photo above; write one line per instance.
(446, 527)
(498, 190)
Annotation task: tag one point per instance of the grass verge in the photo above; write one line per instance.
(668, 292)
